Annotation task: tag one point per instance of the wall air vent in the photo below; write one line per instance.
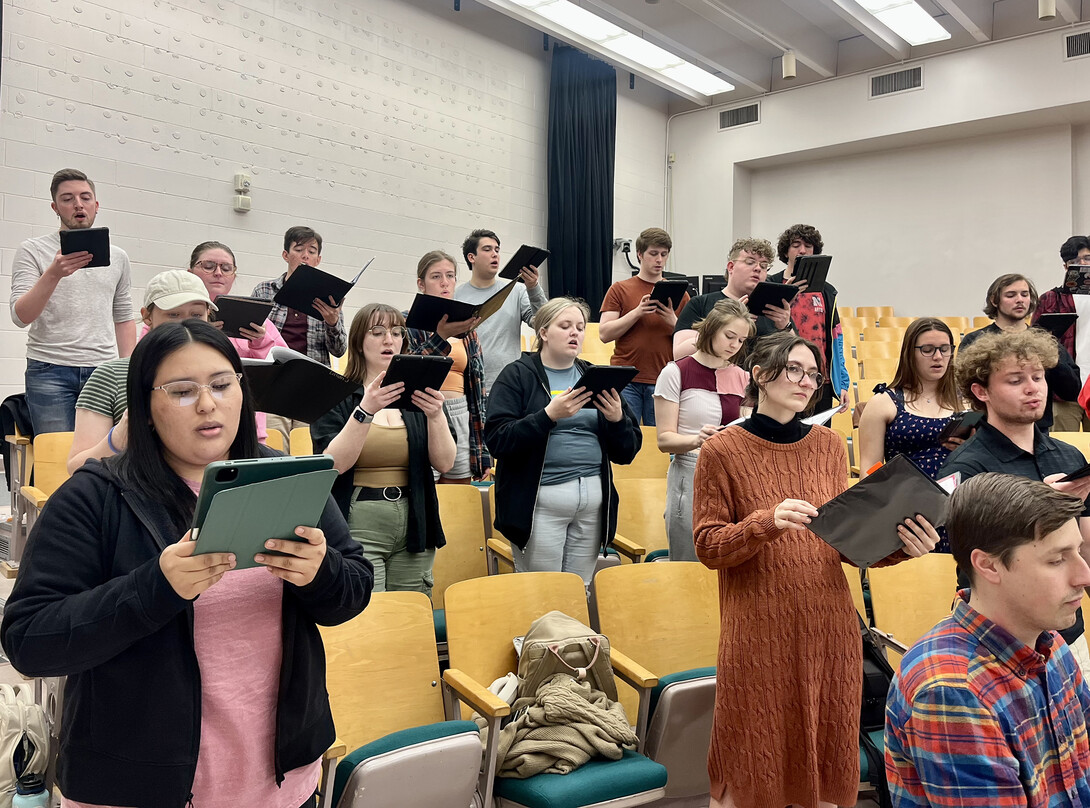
(899, 81)
(739, 116)
(1077, 45)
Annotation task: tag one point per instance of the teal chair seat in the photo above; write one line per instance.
(864, 764)
(657, 555)
(431, 738)
(595, 782)
(672, 678)
(440, 618)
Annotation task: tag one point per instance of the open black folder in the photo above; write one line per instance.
(427, 310)
(525, 256)
(307, 283)
(862, 522)
(293, 385)
(418, 373)
(237, 312)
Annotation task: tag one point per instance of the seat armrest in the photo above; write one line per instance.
(18, 440)
(628, 548)
(502, 549)
(34, 496)
(475, 695)
(632, 672)
(888, 641)
(336, 750)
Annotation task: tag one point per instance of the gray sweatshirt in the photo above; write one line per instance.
(500, 334)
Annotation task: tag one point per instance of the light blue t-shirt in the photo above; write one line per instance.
(573, 449)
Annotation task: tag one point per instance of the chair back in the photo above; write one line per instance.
(485, 614)
(884, 335)
(649, 462)
(51, 460)
(299, 441)
(889, 321)
(877, 350)
(881, 368)
(274, 439)
(641, 503)
(1080, 440)
(872, 313)
(911, 597)
(866, 387)
(382, 670)
(855, 584)
(461, 511)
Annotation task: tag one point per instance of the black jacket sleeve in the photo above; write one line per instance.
(68, 612)
(1063, 380)
(624, 438)
(514, 420)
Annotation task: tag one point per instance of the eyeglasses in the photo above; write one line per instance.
(1079, 262)
(380, 332)
(753, 262)
(211, 266)
(183, 394)
(929, 350)
(794, 373)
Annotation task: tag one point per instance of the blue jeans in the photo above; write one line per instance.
(641, 400)
(51, 393)
(566, 535)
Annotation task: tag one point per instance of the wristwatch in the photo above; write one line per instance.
(362, 415)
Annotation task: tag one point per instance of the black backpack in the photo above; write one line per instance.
(877, 676)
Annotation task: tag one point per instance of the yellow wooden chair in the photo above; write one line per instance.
(866, 387)
(957, 323)
(981, 322)
(299, 441)
(911, 597)
(845, 311)
(641, 503)
(874, 368)
(461, 512)
(884, 335)
(1080, 440)
(483, 615)
(666, 617)
(853, 327)
(877, 350)
(872, 313)
(649, 462)
(274, 439)
(50, 471)
(889, 321)
(382, 675)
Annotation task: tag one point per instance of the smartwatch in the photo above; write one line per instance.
(362, 415)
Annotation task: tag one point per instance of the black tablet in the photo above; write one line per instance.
(1077, 279)
(525, 256)
(814, 269)
(95, 240)
(418, 373)
(961, 425)
(599, 378)
(237, 313)
(1057, 323)
(1078, 474)
(670, 292)
(770, 294)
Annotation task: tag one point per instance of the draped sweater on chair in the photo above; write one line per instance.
(789, 671)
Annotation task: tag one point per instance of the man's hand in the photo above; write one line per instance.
(331, 312)
(1077, 488)
(65, 265)
(918, 536)
(664, 311)
(459, 328)
(779, 315)
(793, 514)
(530, 277)
(799, 282)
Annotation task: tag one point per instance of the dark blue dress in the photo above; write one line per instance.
(917, 438)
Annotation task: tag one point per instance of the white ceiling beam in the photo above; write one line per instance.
(811, 47)
(869, 26)
(1070, 10)
(975, 16)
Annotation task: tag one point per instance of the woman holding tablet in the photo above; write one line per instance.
(694, 398)
(555, 500)
(162, 683)
(789, 674)
(386, 456)
(463, 389)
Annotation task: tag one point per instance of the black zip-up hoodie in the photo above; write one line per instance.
(91, 603)
(516, 431)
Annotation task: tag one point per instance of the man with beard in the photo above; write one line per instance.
(747, 265)
(1010, 300)
(1003, 375)
(79, 316)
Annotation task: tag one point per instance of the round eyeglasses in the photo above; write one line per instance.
(208, 267)
(795, 373)
(929, 350)
(183, 394)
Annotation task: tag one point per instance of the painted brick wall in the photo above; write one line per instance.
(393, 127)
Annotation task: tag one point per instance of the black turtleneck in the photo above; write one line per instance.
(773, 431)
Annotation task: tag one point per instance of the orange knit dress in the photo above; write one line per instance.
(789, 674)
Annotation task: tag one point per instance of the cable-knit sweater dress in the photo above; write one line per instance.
(789, 674)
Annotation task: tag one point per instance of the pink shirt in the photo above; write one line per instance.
(237, 635)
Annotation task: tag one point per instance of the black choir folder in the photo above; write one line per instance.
(525, 256)
(290, 384)
(236, 313)
(862, 522)
(418, 373)
(307, 283)
(428, 310)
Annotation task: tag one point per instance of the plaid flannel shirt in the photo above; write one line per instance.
(322, 339)
(427, 343)
(1056, 301)
(976, 718)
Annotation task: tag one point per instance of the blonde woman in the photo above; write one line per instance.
(695, 397)
(555, 499)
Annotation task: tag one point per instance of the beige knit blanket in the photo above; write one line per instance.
(562, 727)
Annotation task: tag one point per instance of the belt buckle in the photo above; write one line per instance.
(387, 497)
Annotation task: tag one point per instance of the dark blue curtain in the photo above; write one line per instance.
(582, 146)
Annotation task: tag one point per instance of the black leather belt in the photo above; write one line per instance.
(390, 493)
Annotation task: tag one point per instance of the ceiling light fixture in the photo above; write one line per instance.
(788, 64)
(1046, 9)
(588, 31)
(907, 19)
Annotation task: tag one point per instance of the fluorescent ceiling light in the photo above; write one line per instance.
(610, 38)
(907, 19)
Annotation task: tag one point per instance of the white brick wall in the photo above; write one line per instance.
(393, 127)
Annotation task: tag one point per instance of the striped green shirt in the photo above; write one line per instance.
(104, 392)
